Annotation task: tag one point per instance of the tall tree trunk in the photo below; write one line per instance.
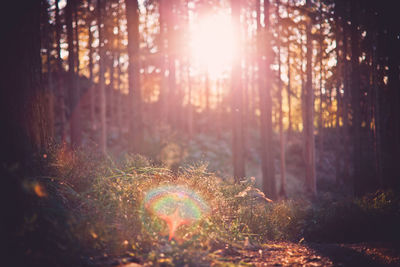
(102, 93)
(77, 74)
(23, 117)
(74, 94)
(346, 100)
(76, 33)
(282, 191)
(289, 91)
(303, 89)
(172, 86)
(321, 97)
(237, 101)
(91, 85)
(50, 81)
(189, 81)
(339, 133)
(355, 98)
(60, 88)
(377, 113)
(264, 87)
(24, 109)
(189, 116)
(119, 94)
(393, 42)
(111, 90)
(163, 96)
(309, 114)
(135, 95)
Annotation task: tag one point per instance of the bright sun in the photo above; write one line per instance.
(213, 45)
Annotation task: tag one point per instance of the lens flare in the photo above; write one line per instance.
(176, 205)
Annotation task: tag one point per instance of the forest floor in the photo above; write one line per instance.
(88, 206)
(284, 254)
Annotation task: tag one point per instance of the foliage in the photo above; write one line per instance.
(94, 205)
(372, 217)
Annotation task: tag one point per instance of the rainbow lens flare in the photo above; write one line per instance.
(176, 205)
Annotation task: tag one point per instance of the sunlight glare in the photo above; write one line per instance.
(213, 45)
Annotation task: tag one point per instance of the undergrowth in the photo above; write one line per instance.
(94, 206)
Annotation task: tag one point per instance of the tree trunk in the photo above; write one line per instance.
(289, 92)
(74, 94)
(24, 108)
(163, 96)
(60, 81)
(339, 134)
(50, 81)
(91, 85)
(172, 86)
(393, 41)
(309, 115)
(355, 99)
(237, 101)
(119, 96)
(345, 102)
(23, 117)
(111, 91)
(102, 93)
(264, 87)
(135, 95)
(321, 94)
(282, 191)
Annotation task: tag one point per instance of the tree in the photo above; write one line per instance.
(309, 141)
(237, 104)
(355, 97)
(339, 110)
(74, 92)
(394, 93)
(264, 88)
(91, 66)
(60, 88)
(23, 103)
(171, 37)
(135, 95)
(282, 190)
(102, 90)
(47, 42)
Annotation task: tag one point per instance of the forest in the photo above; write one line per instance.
(200, 132)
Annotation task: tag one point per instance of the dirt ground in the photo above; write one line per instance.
(292, 254)
(288, 254)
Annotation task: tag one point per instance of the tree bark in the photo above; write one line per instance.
(102, 93)
(74, 94)
(237, 101)
(171, 54)
(60, 70)
(23, 116)
(309, 114)
(24, 108)
(339, 132)
(346, 100)
(264, 87)
(393, 41)
(135, 95)
(355, 98)
(289, 92)
(92, 100)
(282, 190)
(50, 81)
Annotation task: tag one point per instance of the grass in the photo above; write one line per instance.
(87, 205)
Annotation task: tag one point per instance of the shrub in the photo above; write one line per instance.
(93, 205)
